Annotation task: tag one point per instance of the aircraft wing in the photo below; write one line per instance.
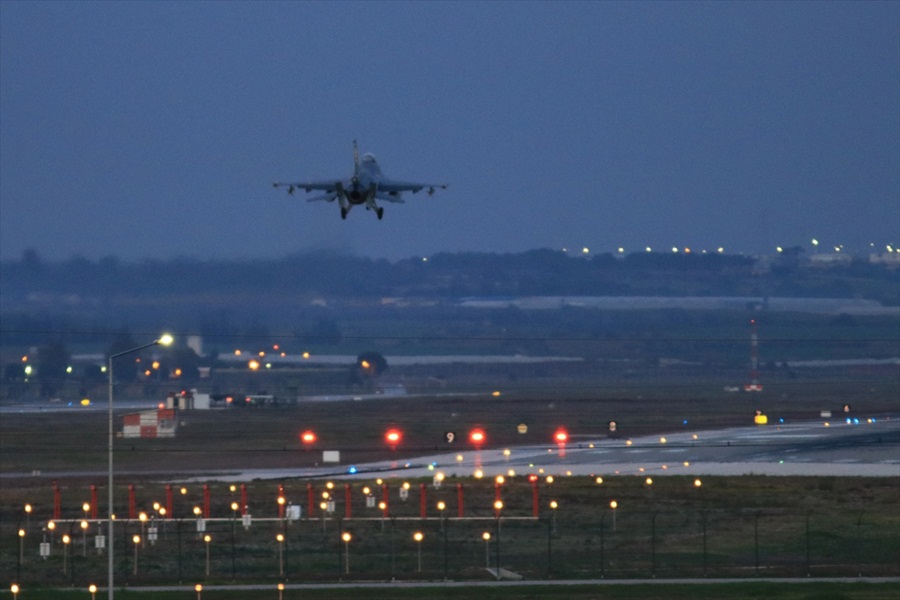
(392, 186)
(308, 186)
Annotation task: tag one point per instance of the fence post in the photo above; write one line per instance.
(756, 540)
(602, 518)
(703, 522)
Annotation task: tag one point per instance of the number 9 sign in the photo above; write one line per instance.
(450, 437)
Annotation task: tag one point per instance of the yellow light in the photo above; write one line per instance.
(599, 480)
(198, 587)
(441, 505)
(92, 588)
(253, 365)
(498, 505)
(207, 538)
(697, 483)
(613, 504)
(85, 507)
(234, 506)
(486, 535)
(479, 474)
(648, 481)
(554, 504)
(346, 536)
(279, 537)
(197, 510)
(136, 539)
(549, 478)
(495, 393)
(500, 480)
(418, 536)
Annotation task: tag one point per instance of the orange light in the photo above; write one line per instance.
(561, 436)
(477, 436)
(393, 436)
(308, 437)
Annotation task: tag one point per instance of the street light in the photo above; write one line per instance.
(280, 539)
(419, 536)
(207, 539)
(346, 537)
(486, 536)
(137, 544)
(165, 340)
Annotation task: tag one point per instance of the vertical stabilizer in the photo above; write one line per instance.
(355, 158)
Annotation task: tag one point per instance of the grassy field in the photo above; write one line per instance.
(731, 527)
(711, 591)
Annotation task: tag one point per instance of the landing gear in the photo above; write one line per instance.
(380, 212)
(343, 213)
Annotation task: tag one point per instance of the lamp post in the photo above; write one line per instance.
(165, 340)
(498, 506)
(419, 536)
(346, 537)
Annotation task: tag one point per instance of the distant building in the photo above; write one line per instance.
(891, 259)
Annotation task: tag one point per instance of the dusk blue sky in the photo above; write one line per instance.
(155, 130)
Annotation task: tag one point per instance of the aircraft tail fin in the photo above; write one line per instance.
(355, 158)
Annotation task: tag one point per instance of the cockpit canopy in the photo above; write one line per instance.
(368, 158)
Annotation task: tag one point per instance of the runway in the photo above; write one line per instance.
(834, 447)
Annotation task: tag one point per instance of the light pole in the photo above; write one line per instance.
(486, 536)
(419, 536)
(165, 340)
(346, 537)
(280, 539)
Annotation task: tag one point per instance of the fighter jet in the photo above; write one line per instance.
(365, 186)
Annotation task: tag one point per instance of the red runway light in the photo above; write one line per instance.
(561, 436)
(393, 436)
(477, 437)
(308, 437)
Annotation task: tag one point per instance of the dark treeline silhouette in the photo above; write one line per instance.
(445, 275)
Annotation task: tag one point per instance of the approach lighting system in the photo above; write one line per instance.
(393, 437)
(477, 437)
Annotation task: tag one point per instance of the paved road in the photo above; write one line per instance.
(868, 448)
